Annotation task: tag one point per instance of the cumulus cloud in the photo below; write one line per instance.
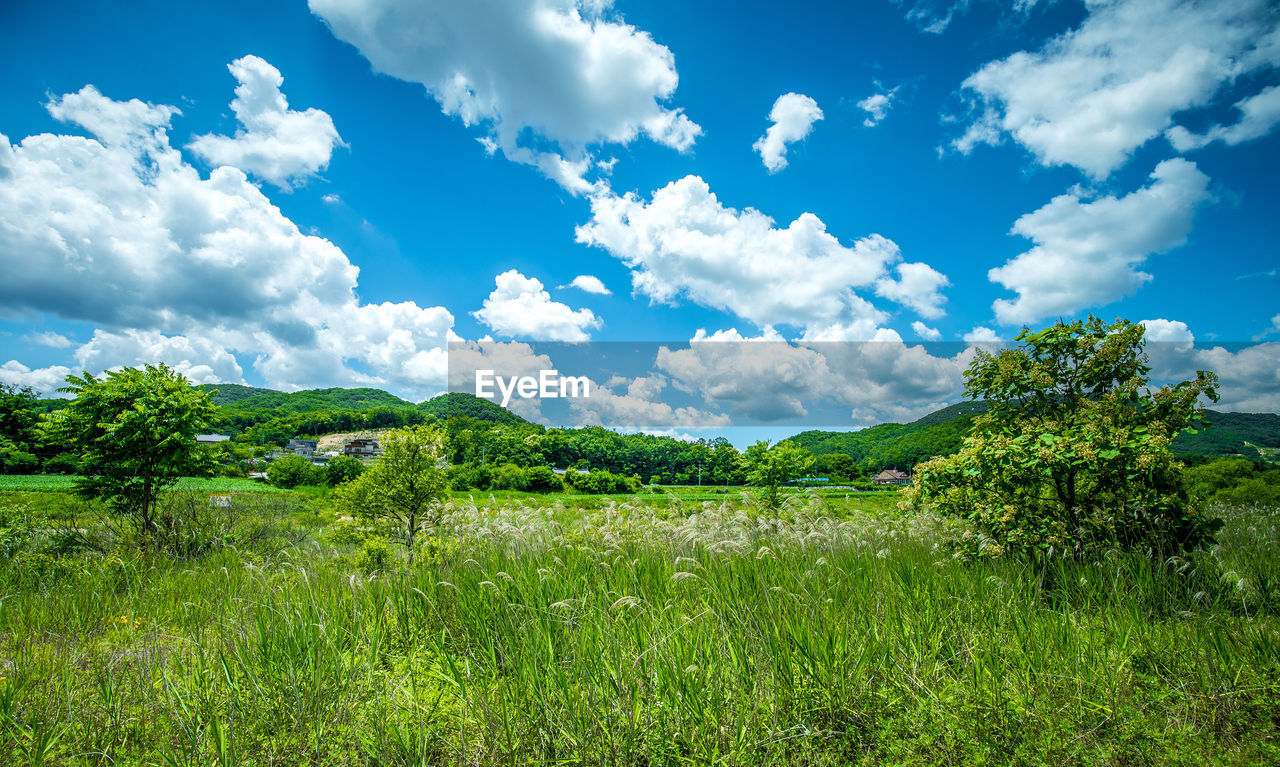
(685, 243)
(274, 142)
(169, 264)
(558, 70)
(46, 381)
(1259, 114)
(589, 284)
(982, 335)
(1249, 376)
(519, 307)
(877, 106)
(918, 286)
(793, 116)
(1094, 94)
(49, 339)
(925, 332)
(1087, 253)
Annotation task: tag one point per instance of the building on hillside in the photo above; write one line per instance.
(892, 477)
(302, 447)
(211, 439)
(362, 448)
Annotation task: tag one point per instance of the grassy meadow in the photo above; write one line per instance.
(669, 628)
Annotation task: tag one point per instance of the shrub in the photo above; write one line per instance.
(293, 470)
(343, 468)
(510, 477)
(543, 480)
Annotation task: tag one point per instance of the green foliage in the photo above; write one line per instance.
(600, 482)
(135, 430)
(290, 471)
(769, 468)
(407, 486)
(541, 479)
(1234, 481)
(469, 406)
(343, 468)
(1073, 455)
(510, 477)
(892, 445)
(18, 420)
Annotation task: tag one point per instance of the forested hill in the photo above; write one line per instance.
(895, 445)
(466, 405)
(1233, 434)
(901, 446)
(305, 401)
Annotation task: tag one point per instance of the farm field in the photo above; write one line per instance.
(684, 627)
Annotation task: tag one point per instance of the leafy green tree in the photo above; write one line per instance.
(543, 480)
(18, 419)
(1073, 455)
(294, 470)
(135, 430)
(342, 469)
(407, 486)
(769, 468)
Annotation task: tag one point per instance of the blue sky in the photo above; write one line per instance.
(936, 172)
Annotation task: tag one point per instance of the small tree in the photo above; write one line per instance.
(291, 471)
(1073, 454)
(135, 430)
(342, 469)
(771, 467)
(407, 486)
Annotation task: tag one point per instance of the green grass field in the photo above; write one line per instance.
(666, 629)
(52, 482)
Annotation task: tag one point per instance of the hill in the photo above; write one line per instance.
(894, 445)
(466, 405)
(888, 446)
(305, 401)
(1232, 434)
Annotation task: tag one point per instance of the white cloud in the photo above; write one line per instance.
(1259, 113)
(1094, 94)
(49, 339)
(556, 69)
(274, 142)
(589, 284)
(982, 335)
(45, 381)
(519, 306)
(925, 332)
(1087, 253)
(877, 106)
(194, 270)
(684, 242)
(793, 116)
(918, 286)
(1249, 377)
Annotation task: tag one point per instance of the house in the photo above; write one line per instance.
(211, 439)
(892, 477)
(302, 447)
(362, 448)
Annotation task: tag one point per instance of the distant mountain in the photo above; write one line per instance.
(1232, 434)
(896, 446)
(467, 405)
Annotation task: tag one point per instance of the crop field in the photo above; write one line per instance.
(645, 631)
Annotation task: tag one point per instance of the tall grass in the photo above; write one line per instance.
(694, 633)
